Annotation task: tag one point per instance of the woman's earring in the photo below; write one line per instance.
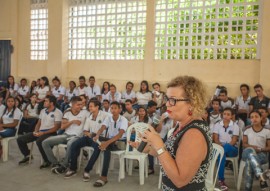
(190, 112)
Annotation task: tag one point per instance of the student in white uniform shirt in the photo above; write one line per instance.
(12, 87)
(165, 125)
(256, 144)
(142, 117)
(242, 102)
(24, 89)
(93, 90)
(226, 134)
(33, 87)
(58, 90)
(2, 106)
(215, 115)
(71, 92)
(114, 94)
(106, 106)
(105, 91)
(225, 100)
(264, 112)
(129, 93)
(91, 127)
(82, 88)
(30, 116)
(49, 122)
(130, 112)
(42, 91)
(158, 95)
(143, 96)
(9, 119)
(72, 123)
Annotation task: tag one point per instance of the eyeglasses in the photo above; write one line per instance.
(172, 101)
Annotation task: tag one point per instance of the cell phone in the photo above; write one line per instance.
(98, 142)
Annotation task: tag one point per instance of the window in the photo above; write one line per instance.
(39, 30)
(107, 29)
(207, 29)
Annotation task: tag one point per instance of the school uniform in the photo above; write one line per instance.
(7, 118)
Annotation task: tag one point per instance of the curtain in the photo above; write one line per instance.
(5, 60)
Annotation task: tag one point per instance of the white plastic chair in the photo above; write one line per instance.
(241, 170)
(134, 154)
(211, 177)
(5, 142)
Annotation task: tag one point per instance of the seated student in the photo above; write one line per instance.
(242, 102)
(114, 94)
(12, 87)
(130, 112)
(2, 106)
(260, 100)
(41, 92)
(84, 100)
(58, 90)
(82, 88)
(165, 125)
(30, 116)
(158, 95)
(93, 90)
(129, 93)
(105, 91)
(256, 143)
(72, 124)
(225, 101)
(24, 90)
(49, 122)
(115, 127)
(70, 93)
(106, 106)
(265, 120)
(215, 115)
(143, 96)
(32, 87)
(20, 104)
(142, 117)
(9, 119)
(152, 109)
(226, 134)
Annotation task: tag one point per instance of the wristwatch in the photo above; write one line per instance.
(161, 150)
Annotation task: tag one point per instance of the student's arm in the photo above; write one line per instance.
(100, 131)
(56, 126)
(11, 125)
(105, 144)
(216, 139)
(245, 143)
(38, 126)
(267, 148)
(65, 123)
(234, 140)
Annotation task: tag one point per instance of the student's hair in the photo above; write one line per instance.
(92, 77)
(23, 79)
(264, 108)
(223, 91)
(258, 86)
(75, 99)
(82, 78)
(128, 100)
(105, 100)
(74, 83)
(19, 101)
(1, 95)
(255, 111)
(151, 103)
(115, 103)
(30, 103)
(244, 85)
(46, 80)
(155, 84)
(13, 109)
(96, 103)
(146, 118)
(103, 89)
(52, 99)
(129, 82)
(112, 85)
(56, 79)
(10, 85)
(215, 100)
(229, 109)
(147, 86)
(83, 95)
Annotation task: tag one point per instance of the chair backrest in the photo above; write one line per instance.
(18, 125)
(217, 151)
(139, 128)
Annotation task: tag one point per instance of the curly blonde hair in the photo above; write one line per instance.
(194, 90)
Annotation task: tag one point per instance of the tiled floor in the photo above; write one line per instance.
(30, 177)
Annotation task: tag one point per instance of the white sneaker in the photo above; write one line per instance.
(86, 177)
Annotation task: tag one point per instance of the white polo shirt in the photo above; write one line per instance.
(128, 115)
(117, 97)
(165, 128)
(109, 111)
(74, 129)
(105, 96)
(114, 127)
(32, 112)
(143, 99)
(2, 109)
(214, 118)
(227, 104)
(130, 96)
(59, 91)
(23, 90)
(42, 92)
(82, 91)
(92, 125)
(9, 118)
(71, 94)
(241, 103)
(93, 92)
(12, 90)
(48, 119)
(226, 134)
(136, 120)
(258, 139)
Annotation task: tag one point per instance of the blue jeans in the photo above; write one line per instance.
(229, 151)
(251, 168)
(8, 132)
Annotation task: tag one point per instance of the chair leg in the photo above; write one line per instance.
(235, 169)
(146, 167)
(159, 180)
(141, 171)
(5, 150)
(122, 165)
(130, 166)
(31, 152)
(240, 175)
